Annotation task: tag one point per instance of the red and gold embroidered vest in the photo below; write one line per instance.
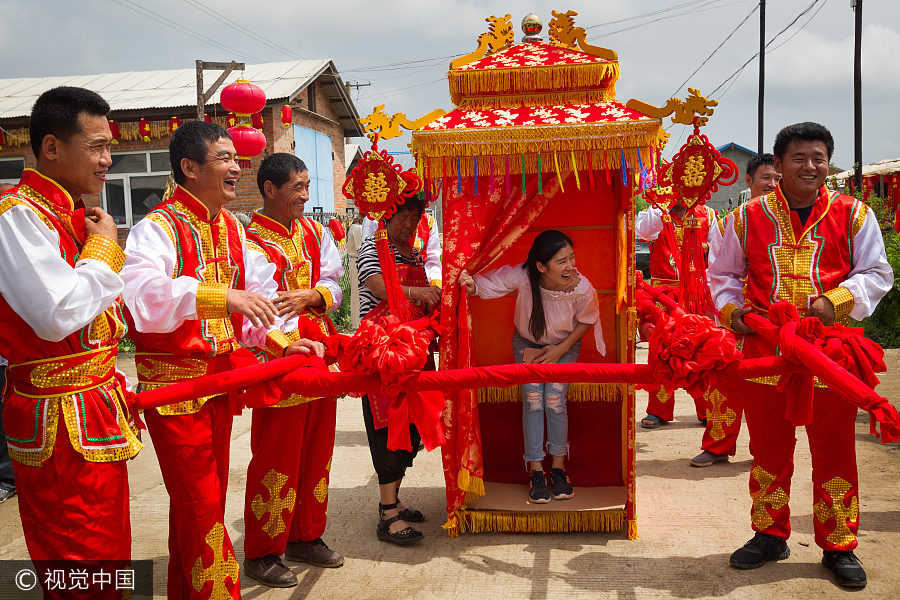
(665, 261)
(296, 255)
(76, 373)
(210, 250)
(794, 262)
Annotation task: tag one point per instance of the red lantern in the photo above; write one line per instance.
(248, 142)
(257, 120)
(114, 130)
(243, 98)
(174, 124)
(287, 115)
(207, 118)
(144, 129)
(231, 119)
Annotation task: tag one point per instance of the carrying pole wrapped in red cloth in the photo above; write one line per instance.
(822, 352)
(844, 343)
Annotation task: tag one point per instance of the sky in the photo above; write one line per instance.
(403, 48)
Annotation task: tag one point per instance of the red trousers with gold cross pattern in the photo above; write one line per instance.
(723, 421)
(832, 445)
(193, 452)
(662, 404)
(75, 510)
(287, 480)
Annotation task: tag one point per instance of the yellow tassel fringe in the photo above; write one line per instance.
(473, 485)
(496, 521)
(577, 392)
(632, 529)
(605, 144)
(612, 161)
(588, 76)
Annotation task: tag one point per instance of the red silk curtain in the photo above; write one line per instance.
(478, 229)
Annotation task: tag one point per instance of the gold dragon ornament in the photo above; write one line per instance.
(378, 123)
(693, 110)
(498, 37)
(563, 33)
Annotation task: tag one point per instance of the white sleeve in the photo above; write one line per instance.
(433, 263)
(500, 282)
(871, 276)
(648, 223)
(259, 277)
(368, 228)
(728, 270)
(41, 287)
(331, 268)
(715, 239)
(158, 302)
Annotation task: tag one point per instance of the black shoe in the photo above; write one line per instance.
(315, 553)
(404, 537)
(411, 515)
(562, 488)
(270, 571)
(760, 550)
(540, 493)
(708, 459)
(846, 568)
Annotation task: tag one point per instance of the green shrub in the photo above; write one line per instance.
(884, 324)
(341, 316)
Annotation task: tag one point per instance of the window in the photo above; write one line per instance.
(11, 170)
(311, 97)
(314, 149)
(134, 185)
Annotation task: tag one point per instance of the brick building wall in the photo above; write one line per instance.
(279, 138)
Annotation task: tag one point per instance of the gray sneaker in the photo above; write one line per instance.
(270, 571)
(708, 459)
(6, 494)
(315, 553)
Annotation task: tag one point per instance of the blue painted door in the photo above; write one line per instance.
(314, 149)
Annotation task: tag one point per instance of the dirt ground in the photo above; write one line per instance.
(690, 520)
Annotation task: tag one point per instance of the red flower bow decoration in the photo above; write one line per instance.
(394, 351)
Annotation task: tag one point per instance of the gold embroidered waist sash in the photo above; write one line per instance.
(63, 375)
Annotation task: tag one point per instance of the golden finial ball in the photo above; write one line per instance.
(532, 25)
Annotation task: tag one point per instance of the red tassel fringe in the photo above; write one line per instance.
(695, 296)
(397, 302)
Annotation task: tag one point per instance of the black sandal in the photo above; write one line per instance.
(411, 515)
(405, 536)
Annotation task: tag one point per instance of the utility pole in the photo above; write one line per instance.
(762, 75)
(857, 95)
(203, 97)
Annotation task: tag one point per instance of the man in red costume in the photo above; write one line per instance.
(292, 441)
(823, 252)
(67, 425)
(723, 414)
(195, 295)
(665, 263)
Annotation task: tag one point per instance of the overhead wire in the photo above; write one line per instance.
(650, 14)
(713, 53)
(180, 28)
(241, 29)
(775, 37)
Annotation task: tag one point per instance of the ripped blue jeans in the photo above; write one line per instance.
(540, 399)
